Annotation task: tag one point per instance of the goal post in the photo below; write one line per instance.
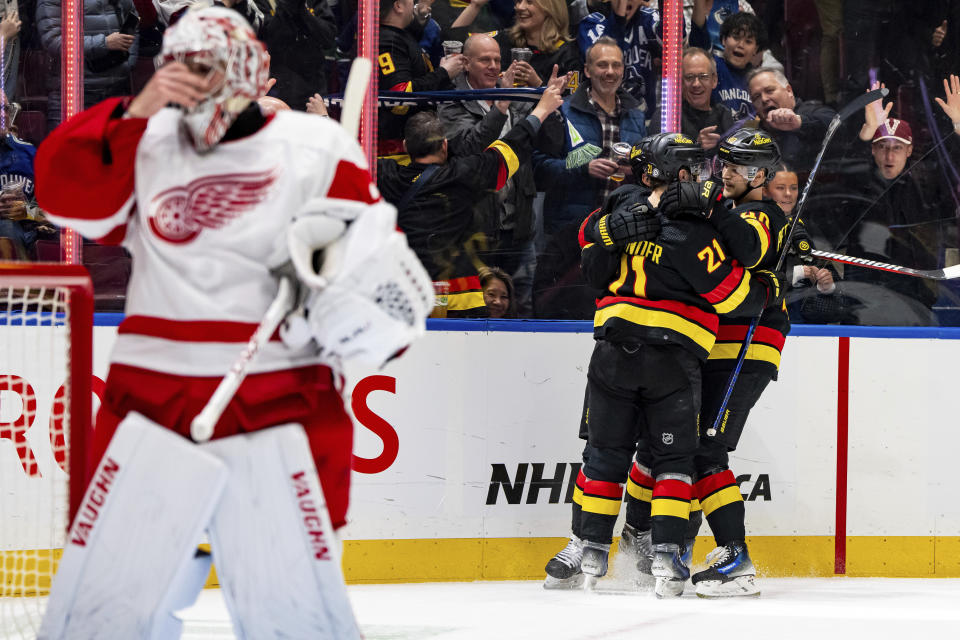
(46, 357)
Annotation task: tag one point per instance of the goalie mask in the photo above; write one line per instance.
(221, 41)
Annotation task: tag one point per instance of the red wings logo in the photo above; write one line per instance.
(179, 214)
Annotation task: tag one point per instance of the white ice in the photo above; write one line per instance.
(802, 608)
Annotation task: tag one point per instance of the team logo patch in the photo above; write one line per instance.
(667, 438)
(804, 245)
(179, 214)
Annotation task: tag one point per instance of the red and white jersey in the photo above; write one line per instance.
(203, 230)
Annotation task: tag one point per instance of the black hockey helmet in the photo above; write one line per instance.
(750, 148)
(662, 155)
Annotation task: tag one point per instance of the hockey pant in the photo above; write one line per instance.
(305, 395)
(640, 391)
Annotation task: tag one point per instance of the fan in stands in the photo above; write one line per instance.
(207, 224)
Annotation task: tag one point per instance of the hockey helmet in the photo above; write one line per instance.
(220, 40)
(752, 149)
(662, 155)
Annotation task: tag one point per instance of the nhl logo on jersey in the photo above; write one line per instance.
(180, 213)
(667, 438)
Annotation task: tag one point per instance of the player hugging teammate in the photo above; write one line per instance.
(679, 296)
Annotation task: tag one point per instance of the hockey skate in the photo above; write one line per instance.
(636, 545)
(669, 569)
(594, 564)
(563, 569)
(730, 573)
(631, 564)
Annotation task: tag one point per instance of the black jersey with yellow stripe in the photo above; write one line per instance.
(755, 233)
(670, 289)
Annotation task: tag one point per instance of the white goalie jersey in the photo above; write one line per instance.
(204, 230)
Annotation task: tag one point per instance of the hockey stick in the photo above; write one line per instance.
(357, 83)
(853, 107)
(201, 428)
(931, 274)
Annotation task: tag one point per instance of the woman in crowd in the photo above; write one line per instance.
(498, 293)
(543, 27)
(804, 303)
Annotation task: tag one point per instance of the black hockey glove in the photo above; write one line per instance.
(628, 224)
(691, 198)
(800, 244)
(776, 284)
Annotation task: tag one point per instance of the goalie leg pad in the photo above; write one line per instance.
(130, 551)
(273, 545)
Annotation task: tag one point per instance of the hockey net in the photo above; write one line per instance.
(46, 326)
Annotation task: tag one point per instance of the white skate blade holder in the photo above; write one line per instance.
(739, 587)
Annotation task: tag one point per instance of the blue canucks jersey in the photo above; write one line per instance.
(16, 163)
(732, 90)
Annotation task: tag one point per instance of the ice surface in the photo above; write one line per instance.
(803, 608)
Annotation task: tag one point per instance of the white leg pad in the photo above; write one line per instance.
(131, 548)
(273, 545)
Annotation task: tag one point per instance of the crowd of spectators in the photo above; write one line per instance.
(888, 187)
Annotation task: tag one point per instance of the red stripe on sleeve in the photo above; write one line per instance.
(115, 236)
(502, 174)
(85, 168)
(403, 86)
(713, 483)
(672, 489)
(738, 333)
(351, 182)
(466, 283)
(725, 288)
(603, 489)
(581, 238)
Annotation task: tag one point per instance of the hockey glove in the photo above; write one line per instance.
(625, 225)
(801, 245)
(696, 199)
(776, 284)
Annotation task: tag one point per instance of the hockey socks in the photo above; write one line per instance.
(722, 505)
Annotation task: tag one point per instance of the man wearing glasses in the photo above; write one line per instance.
(700, 119)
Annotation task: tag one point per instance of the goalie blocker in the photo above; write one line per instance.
(131, 560)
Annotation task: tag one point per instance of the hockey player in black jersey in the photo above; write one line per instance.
(654, 329)
(752, 229)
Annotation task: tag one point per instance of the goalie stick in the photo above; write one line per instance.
(853, 107)
(948, 273)
(201, 428)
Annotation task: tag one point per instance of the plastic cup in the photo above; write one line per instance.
(441, 292)
(452, 47)
(621, 153)
(522, 54)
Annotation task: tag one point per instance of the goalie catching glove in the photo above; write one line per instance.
(697, 199)
(369, 296)
(634, 223)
